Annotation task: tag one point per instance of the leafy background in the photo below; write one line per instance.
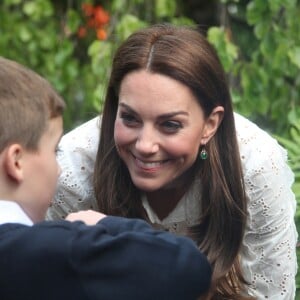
(71, 43)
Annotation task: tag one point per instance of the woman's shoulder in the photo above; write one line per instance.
(248, 133)
(257, 146)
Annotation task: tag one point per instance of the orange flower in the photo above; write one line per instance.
(101, 34)
(101, 16)
(95, 17)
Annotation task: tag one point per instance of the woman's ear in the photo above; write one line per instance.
(212, 124)
(13, 162)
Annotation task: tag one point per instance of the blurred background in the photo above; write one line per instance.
(72, 42)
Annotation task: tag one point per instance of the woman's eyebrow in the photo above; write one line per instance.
(162, 116)
(127, 107)
(173, 114)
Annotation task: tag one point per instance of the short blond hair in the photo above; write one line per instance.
(27, 103)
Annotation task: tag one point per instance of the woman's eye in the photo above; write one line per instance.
(128, 119)
(171, 126)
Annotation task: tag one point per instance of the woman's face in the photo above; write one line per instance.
(159, 128)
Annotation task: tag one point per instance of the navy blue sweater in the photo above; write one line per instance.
(116, 259)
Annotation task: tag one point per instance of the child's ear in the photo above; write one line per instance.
(13, 162)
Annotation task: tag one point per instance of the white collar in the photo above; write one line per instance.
(11, 212)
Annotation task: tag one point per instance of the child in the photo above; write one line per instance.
(115, 259)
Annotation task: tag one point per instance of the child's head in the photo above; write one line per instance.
(27, 102)
(30, 129)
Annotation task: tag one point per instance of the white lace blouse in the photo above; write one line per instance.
(268, 255)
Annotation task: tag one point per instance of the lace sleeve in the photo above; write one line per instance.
(269, 249)
(76, 157)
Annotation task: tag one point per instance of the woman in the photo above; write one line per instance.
(169, 153)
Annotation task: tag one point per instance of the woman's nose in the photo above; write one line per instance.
(147, 141)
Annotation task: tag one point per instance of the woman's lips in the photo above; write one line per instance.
(149, 165)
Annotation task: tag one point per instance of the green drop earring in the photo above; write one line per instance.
(203, 154)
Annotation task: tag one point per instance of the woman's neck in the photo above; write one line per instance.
(164, 201)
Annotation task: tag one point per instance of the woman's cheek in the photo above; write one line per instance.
(122, 134)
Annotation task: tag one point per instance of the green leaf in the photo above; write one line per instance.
(214, 34)
(294, 119)
(256, 11)
(117, 5)
(227, 51)
(94, 48)
(12, 2)
(47, 41)
(182, 21)
(24, 34)
(262, 28)
(275, 5)
(61, 56)
(71, 70)
(30, 8)
(165, 8)
(295, 135)
(294, 56)
(267, 45)
(128, 24)
(38, 9)
(73, 20)
(232, 51)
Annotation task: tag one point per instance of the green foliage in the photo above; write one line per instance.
(43, 35)
(31, 34)
(265, 75)
(228, 52)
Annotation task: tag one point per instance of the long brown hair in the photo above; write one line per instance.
(183, 54)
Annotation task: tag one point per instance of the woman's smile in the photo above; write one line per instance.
(150, 166)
